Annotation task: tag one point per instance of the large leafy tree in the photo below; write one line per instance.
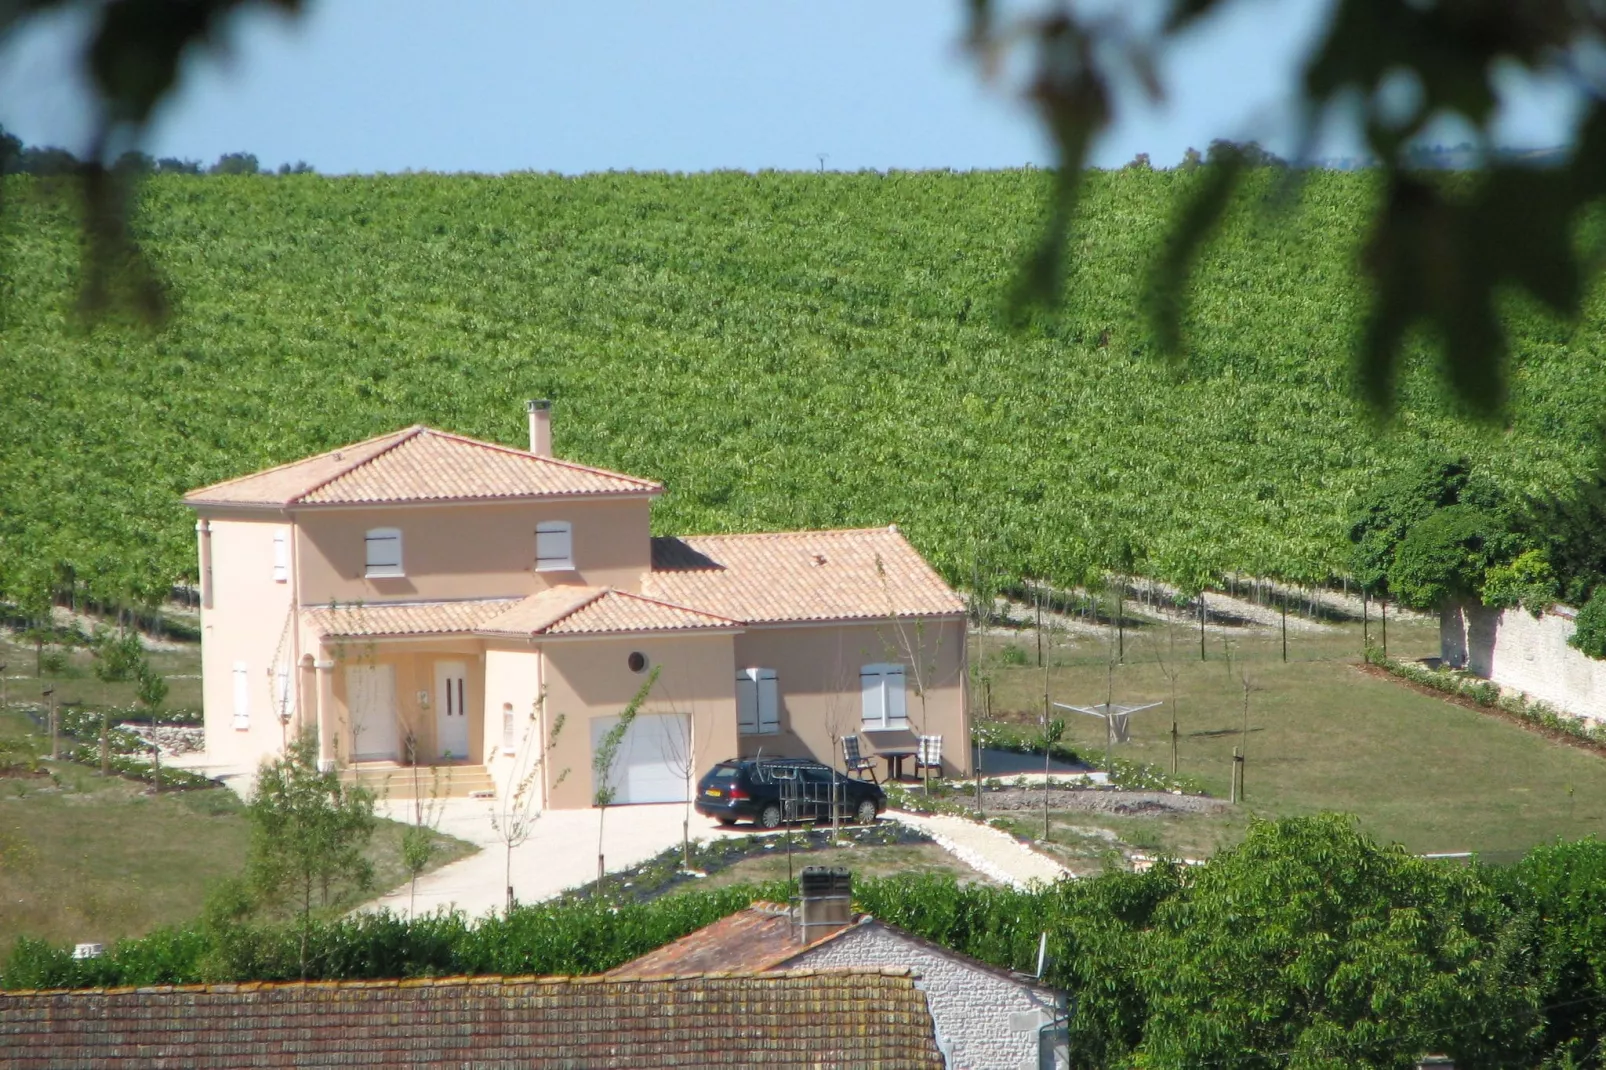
(1311, 946)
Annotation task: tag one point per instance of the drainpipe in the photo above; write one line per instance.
(540, 723)
(295, 629)
(203, 530)
(1054, 1037)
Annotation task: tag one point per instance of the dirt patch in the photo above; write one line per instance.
(1101, 801)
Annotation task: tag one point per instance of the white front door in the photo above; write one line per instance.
(650, 766)
(451, 709)
(371, 702)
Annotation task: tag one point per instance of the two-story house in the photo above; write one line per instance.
(425, 596)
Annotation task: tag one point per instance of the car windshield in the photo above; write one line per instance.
(725, 770)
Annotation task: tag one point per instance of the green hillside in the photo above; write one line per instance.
(782, 350)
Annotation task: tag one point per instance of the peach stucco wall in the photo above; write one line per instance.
(591, 678)
(817, 678)
(244, 624)
(513, 679)
(470, 551)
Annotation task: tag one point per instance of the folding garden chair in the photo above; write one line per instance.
(928, 755)
(855, 761)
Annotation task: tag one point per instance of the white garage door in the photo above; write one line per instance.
(650, 766)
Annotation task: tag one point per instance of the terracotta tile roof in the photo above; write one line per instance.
(404, 618)
(800, 576)
(598, 611)
(758, 938)
(762, 938)
(418, 464)
(811, 1018)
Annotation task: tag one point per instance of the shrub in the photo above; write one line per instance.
(1589, 630)
(1528, 581)
(1012, 654)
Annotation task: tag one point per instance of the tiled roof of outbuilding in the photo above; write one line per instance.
(758, 938)
(810, 1018)
(861, 574)
(419, 464)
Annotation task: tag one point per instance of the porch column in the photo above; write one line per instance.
(326, 712)
(306, 705)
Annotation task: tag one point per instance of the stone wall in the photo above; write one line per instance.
(971, 1004)
(1517, 650)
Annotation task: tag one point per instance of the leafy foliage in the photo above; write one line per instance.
(1439, 253)
(308, 829)
(1307, 945)
(1444, 557)
(818, 346)
(1528, 581)
(1310, 940)
(1589, 629)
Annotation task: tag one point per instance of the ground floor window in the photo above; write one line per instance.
(758, 705)
(885, 705)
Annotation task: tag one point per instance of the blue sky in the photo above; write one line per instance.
(499, 85)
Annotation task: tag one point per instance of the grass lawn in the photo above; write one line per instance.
(98, 859)
(886, 860)
(1322, 735)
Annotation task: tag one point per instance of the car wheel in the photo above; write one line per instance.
(726, 821)
(866, 814)
(770, 817)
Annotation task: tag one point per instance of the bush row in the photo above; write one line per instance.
(129, 754)
(1307, 945)
(1489, 694)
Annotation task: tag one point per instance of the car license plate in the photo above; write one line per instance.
(713, 793)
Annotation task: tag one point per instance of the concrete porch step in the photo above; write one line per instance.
(394, 780)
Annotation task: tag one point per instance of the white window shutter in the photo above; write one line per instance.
(384, 552)
(897, 709)
(746, 702)
(281, 556)
(242, 696)
(769, 706)
(870, 684)
(554, 545)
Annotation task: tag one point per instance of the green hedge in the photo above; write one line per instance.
(1308, 945)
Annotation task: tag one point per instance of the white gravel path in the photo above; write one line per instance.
(985, 849)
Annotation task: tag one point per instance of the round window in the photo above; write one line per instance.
(637, 661)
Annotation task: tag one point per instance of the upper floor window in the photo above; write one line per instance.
(281, 556)
(554, 545)
(758, 708)
(384, 549)
(885, 704)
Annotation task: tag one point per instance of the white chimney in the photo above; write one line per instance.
(540, 427)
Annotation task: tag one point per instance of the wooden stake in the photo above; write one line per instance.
(1201, 626)
(1285, 626)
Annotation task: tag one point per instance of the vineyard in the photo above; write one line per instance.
(782, 350)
